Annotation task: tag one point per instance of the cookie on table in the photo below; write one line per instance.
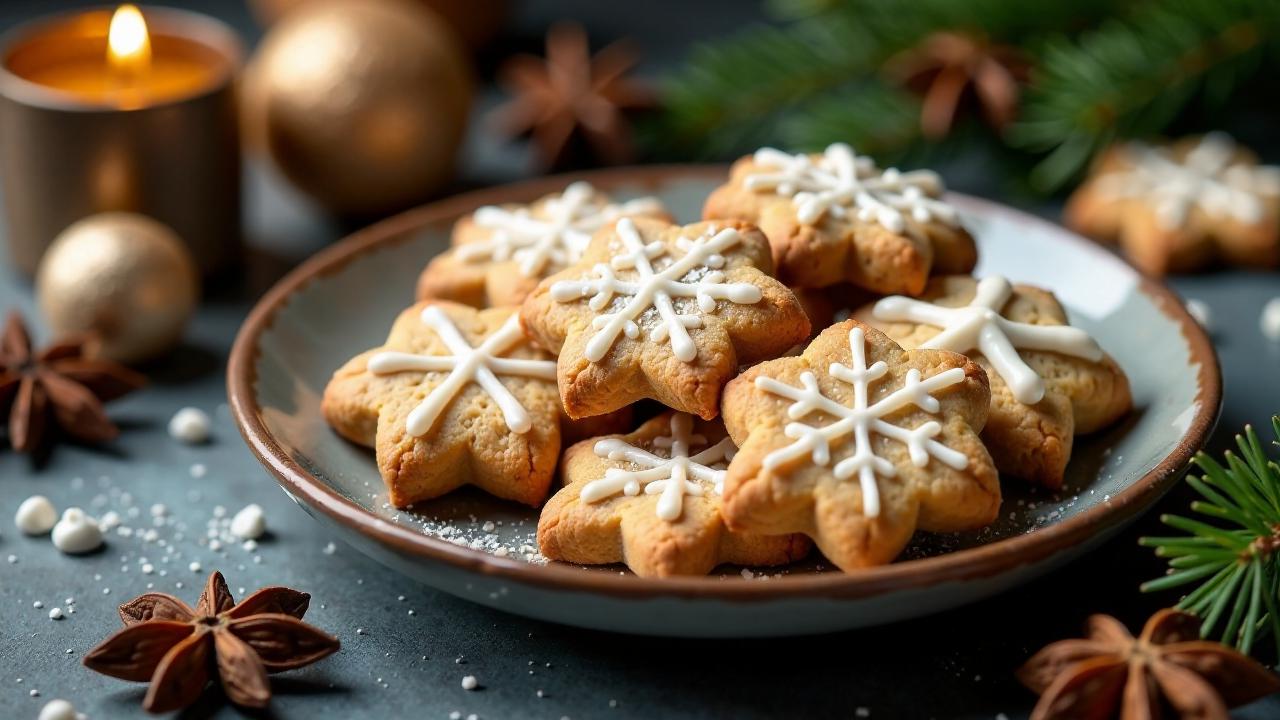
(1179, 207)
(858, 443)
(654, 310)
(500, 253)
(456, 396)
(1049, 381)
(836, 217)
(651, 499)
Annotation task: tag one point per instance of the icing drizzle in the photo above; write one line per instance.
(862, 420)
(842, 184)
(480, 365)
(979, 326)
(657, 289)
(672, 477)
(1208, 178)
(555, 234)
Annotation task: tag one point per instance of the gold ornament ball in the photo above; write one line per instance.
(363, 106)
(477, 22)
(123, 277)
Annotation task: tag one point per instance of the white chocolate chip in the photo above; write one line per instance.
(36, 515)
(190, 425)
(76, 533)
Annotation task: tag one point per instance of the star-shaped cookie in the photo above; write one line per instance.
(500, 253)
(659, 311)
(1176, 208)
(651, 499)
(836, 217)
(1049, 381)
(858, 443)
(456, 396)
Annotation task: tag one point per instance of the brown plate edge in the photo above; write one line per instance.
(984, 561)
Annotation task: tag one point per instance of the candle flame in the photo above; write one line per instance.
(128, 43)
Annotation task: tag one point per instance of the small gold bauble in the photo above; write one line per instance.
(363, 106)
(124, 277)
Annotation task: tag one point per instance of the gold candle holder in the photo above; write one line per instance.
(100, 116)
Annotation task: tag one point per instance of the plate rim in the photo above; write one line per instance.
(972, 563)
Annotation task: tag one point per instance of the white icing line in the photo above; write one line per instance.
(862, 420)
(466, 365)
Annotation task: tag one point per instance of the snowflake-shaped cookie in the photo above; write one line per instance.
(500, 253)
(1049, 381)
(836, 217)
(455, 396)
(660, 311)
(651, 499)
(1176, 208)
(857, 443)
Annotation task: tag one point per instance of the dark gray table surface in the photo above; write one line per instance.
(396, 664)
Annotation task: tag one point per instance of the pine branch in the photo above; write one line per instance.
(1233, 560)
(1131, 78)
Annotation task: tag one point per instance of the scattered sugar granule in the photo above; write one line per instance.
(250, 523)
(37, 604)
(1200, 311)
(455, 715)
(329, 549)
(36, 515)
(198, 470)
(190, 425)
(56, 614)
(76, 533)
(159, 510)
(1269, 322)
(193, 566)
(57, 710)
(469, 682)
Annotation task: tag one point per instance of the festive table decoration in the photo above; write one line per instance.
(477, 22)
(179, 649)
(946, 66)
(122, 111)
(1112, 674)
(573, 104)
(125, 278)
(1234, 560)
(367, 136)
(63, 386)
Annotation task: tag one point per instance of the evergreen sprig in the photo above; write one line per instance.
(1232, 559)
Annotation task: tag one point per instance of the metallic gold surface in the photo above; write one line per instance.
(64, 157)
(477, 22)
(123, 276)
(363, 106)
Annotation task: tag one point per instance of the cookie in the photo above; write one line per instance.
(836, 217)
(654, 310)
(1049, 381)
(456, 396)
(651, 499)
(858, 443)
(1179, 207)
(500, 253)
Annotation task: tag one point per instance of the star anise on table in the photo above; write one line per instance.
(179, 650)
(571, 103)
(1168, 671)
(61, 385)
(945, 65)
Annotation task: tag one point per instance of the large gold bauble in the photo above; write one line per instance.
(123, 277)
(477, 22)
(362, 105)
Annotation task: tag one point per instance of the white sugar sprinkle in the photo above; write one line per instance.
(469, 682)
(55, 614)
(1269, 322)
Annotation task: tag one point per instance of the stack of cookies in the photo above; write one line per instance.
(812, 364)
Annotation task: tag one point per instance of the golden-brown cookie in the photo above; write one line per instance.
(1049, 381)
(1179, 207)
(836, 217)
(456, 396)
(651, 499)
(857, 443)
(659, 311)
(500, 253)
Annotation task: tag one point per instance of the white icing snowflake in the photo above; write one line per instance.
(1208, 178)
(557, 234)
(480, 365)
(695, 274)
(672, 477)
(843, 184)
(862, 420)
(979, 326)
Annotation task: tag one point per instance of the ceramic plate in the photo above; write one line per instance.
(342, 302)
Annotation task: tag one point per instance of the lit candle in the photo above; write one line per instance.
(129, 110)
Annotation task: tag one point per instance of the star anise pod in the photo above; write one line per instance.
(61, 384)
(1167, 669)
(571, 99)
(179, 650)
(946, 65)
